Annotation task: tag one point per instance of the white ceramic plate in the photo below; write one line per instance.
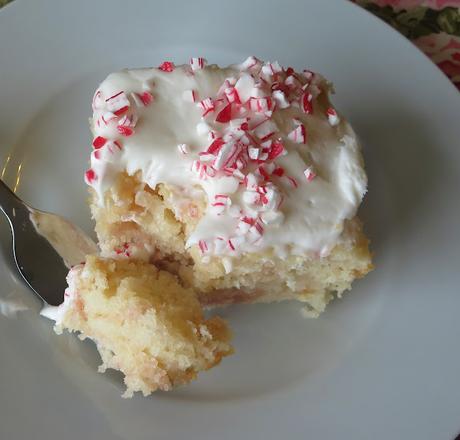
(380, 364)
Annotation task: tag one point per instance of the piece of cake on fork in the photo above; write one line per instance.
(244, 181)
(143, 322)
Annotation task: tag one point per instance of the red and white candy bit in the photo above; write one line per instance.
(167, 66)
(142, 99)
(306, 103)
(244, 87)
(253, 153)
(260, 104)
(197, 63)
(125, 130)
(225, 114)
(292, 82)
(249, 63)
(244, 224)
(280, 99)
(265, 130)
(112, 147)
(203, 170)
(126, 125)
(206, 157)
(227, 155)
(183, 148)
(292, 182)
(309, 174)
(215, 146)
(251, 181)
(90, 176)
(108, 117)
(270, 69)
(189, 96)
(255, 231)
(332, 116)
(220, 203)
(203, 245)
(299, 134)
(123, 250)
(231, 245)
(98, 101)
(232, 95)
(207, 105)
(118, 103)
(146, 98)
(99, 141)
(277, 150)
(308, 74)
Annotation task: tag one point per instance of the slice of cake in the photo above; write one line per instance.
(143, 323)
(243, 181)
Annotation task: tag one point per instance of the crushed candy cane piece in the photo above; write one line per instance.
(207, 105)
(118, 103)
(197, 63)
(298, 135)
(90, 176)
(260, 104)
(307, 105)
(232, 95)
(292, 181)
(309, 174)
(125, 130)
(225, 114)
(167, 66)
(280, 98)
(332, 116)
(146, 98)
(183, 148)
(249, 63)
(203, 246)
(244, 87)
(99, 142)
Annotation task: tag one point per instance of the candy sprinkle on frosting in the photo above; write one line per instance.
(252, 136)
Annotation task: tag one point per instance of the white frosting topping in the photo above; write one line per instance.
(69, 241)
(278, 166)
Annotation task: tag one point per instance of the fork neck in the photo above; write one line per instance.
(9, 201)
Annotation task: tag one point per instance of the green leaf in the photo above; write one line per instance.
(449, 21)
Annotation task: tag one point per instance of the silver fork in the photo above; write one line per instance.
(45, 245)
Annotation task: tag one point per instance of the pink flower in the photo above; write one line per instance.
(408, 4)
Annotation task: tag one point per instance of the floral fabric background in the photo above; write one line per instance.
(433, 25)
